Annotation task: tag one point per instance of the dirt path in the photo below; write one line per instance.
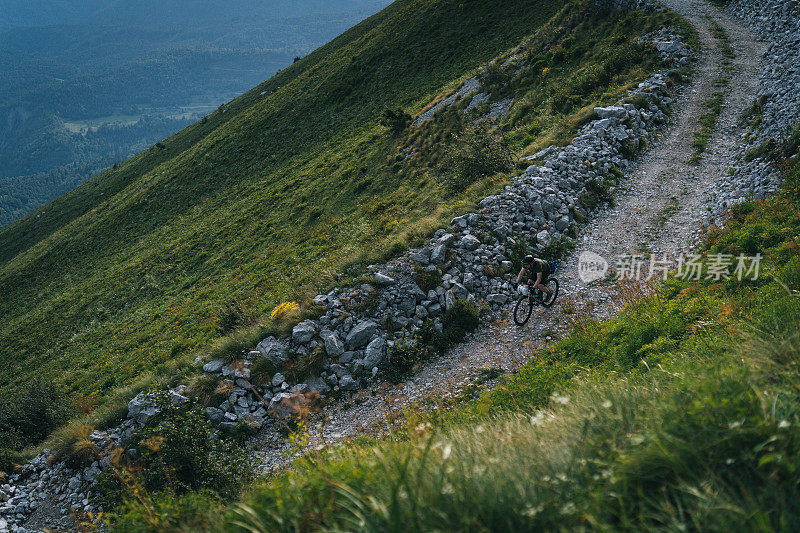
(659, 209)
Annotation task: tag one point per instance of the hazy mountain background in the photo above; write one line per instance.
(87, 84)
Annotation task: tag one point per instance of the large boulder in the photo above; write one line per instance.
(460, 291)
(278, 379)
(375, 353)
(285, 404)
(615, 111)
(277, 351)
(139, 409)
(359, 336)
(317, 385)
(407, 304)
(215, 415)
(543, 237)
(470, 242)
(347, 382)
(497, 298)
(214, 367)
(303, 332)
(383, 279)
(334, 347)
(439, 254)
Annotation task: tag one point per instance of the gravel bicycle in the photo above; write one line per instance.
(530, 298)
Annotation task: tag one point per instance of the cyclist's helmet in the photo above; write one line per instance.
(528, 260)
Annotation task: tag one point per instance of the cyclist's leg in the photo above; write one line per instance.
(545, 275)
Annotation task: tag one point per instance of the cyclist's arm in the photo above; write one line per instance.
(519, 276)
(538, 280)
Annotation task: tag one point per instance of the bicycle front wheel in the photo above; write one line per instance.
(523, 310)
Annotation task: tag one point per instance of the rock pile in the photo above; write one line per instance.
(777, 22)
(46, 482)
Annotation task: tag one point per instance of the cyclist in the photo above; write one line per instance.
(538, 270)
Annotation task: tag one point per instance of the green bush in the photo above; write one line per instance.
(427, 280)
(404, 356)
(28, 417)
(495, 77)
(474, 154)
(182, 451)
(396, 120)
(234, 314)
(462, 318)
(164, 512)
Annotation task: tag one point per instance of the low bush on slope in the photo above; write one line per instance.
(681, 412)
(262, 200)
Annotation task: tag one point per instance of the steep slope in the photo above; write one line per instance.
(259, 200)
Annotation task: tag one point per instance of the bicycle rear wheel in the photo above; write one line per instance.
(523, 310)
(552, 284)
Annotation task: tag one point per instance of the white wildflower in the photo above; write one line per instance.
(607, 404)
(735, 424)
(568, 508)
(447, 488)
(784, 424)
(532, 511)
(538, 419)
(556, 397)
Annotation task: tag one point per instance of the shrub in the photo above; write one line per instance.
(29, 416)
(195, 511)
(262, 371)
(495, 77)
(472, 155)
(284, 310)
(234, 314)
(404, 356)
(395, 119)
(205, 389)
(182, 451)
(462, 318)
(427, 280)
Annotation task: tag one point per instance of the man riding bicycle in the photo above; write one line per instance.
(538, 270)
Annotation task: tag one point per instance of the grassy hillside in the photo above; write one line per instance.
(265, 198)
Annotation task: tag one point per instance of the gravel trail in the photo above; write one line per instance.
(659, 208)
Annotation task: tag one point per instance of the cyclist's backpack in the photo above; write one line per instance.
(553, 267)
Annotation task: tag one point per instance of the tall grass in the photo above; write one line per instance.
(707, 441)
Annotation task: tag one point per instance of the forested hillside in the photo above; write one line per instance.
(107, 79)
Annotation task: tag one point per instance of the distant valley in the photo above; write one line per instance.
(87, 86)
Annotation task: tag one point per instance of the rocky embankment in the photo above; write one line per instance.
(776, 107)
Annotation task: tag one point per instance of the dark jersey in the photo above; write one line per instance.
(539, 265)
